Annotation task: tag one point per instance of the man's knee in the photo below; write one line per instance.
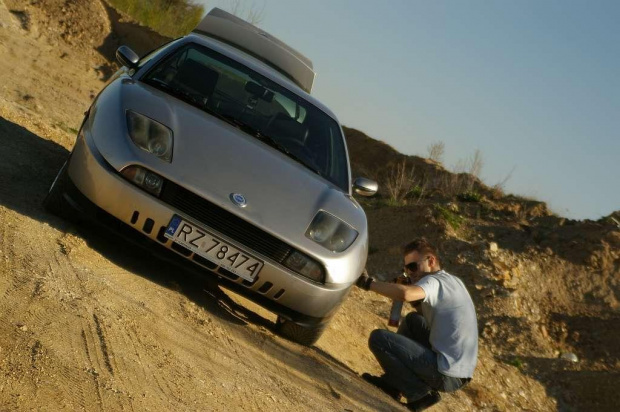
(378, 339)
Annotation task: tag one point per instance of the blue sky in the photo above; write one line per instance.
(535, 85)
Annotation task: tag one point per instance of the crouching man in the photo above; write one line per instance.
(436, 350)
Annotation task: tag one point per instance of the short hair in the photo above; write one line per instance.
(422, 246)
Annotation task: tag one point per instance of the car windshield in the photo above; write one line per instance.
(257, 105)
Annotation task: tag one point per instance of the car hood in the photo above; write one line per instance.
(215, 159)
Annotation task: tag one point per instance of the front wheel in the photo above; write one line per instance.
(305, 335)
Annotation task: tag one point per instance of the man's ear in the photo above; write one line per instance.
(432, 261)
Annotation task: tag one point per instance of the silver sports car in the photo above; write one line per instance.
(212, 147)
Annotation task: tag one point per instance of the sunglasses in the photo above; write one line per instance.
(413, 266)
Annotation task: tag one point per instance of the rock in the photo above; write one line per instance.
(569, 356)
(493, 247)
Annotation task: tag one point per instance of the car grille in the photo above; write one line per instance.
(225, 222)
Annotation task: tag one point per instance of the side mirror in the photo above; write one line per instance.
(365, 187)
(127, 57)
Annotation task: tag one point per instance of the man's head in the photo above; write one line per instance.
(420, 258)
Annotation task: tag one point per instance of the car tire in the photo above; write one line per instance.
(305, 335)
(55, 201)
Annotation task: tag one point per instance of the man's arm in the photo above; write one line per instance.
(407, 293)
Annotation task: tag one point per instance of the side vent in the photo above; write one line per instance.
(181, 249)
(160, 235)
(204, 262)
(227, 273)
(265, 288)
(148, 225)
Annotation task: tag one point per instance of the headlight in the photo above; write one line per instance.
(146, 179)
(331, 232)
(150, 135)
(305, 266)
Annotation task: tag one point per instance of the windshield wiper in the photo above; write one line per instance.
(175, 91)
(270, 141)
(278, 146)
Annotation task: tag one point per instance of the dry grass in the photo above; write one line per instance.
(498, 189)
(400, 181)
(435, 151)
(250, 13)
(465, 175)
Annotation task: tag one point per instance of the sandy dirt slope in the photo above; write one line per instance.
(89, 322)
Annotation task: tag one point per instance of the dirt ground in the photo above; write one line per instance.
(90, 322)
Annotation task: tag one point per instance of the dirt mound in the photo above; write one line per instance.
(92, 29)
(82, 25)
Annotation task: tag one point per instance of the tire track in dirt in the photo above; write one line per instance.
(92, 371)
(102, 344)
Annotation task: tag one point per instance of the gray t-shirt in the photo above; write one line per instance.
(451, 316)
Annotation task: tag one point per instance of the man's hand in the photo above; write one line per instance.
(364, 281)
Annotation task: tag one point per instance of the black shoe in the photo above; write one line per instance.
(424, 402)
(382, 384)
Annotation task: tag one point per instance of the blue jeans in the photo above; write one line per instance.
(408, 360)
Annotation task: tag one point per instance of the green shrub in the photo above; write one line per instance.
(470, 196)
(452, 218)
(172, 18)
(417, 192)
(516, 362)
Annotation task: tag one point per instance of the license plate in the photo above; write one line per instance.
(213, 248)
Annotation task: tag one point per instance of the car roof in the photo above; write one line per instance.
(258, 66)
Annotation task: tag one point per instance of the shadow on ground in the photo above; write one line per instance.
(590, 384)
(575, 390)
(28, 165)
(139, 38)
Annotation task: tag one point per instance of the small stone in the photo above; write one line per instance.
(493, 247)
(569, 356)
(507, 276)
(544, 332)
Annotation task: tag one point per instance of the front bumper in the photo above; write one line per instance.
(96, 189)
